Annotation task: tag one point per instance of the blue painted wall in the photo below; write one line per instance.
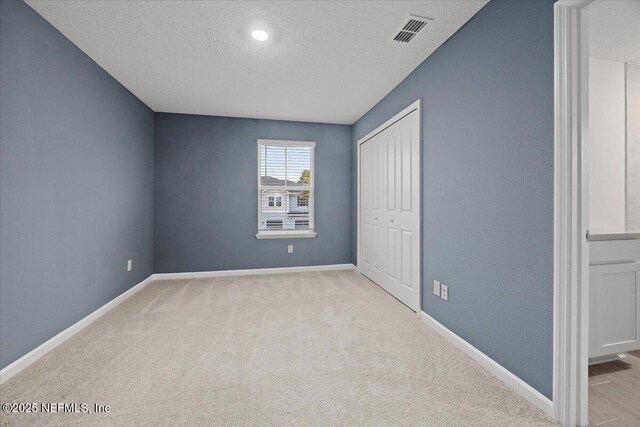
(76, 176)
(79, 196)
(205, 194)
(488, 182)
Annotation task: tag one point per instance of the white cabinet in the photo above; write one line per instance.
(614, 294)
(615, 308)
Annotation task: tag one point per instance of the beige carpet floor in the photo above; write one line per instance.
(306, 349)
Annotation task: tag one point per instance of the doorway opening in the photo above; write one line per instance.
(597, 212)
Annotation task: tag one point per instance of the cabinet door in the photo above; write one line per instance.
(615, 308)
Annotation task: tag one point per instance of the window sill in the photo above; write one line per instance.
(286, 235)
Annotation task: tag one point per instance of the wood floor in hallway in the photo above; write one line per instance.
(614, 392)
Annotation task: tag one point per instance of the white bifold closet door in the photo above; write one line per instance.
(390, 209)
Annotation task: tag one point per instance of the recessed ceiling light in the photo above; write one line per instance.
(260, 35)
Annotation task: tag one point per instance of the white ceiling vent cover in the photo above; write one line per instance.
(411, 28)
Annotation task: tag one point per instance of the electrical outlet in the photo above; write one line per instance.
(290, 249)
(129, 265)
(444, 292)
(436, 288)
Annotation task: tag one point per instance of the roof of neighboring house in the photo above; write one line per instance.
(288, 192)
(270, 180)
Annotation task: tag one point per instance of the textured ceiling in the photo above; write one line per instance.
(614, 30)
(325, 61)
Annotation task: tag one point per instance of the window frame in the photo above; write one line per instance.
(292, 233)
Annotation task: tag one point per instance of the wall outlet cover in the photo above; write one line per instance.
(436, 288)
(129, 265)
(290, 249)
(444, 292)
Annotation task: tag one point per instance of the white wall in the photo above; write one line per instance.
(633, 147)
(606, 146)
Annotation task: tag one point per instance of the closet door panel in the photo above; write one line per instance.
(391, 204)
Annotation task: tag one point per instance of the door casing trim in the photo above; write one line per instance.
(571, 249)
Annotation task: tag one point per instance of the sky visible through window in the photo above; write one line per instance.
(272, 162)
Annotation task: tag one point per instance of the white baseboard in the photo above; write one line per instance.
(605, 359)
(515, 383)
(251, 272)
(14, 368)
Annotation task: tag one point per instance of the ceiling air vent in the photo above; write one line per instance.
(411, 28)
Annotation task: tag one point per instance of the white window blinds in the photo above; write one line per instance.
(285, 187)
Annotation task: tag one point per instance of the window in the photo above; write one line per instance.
(285, 189)
(274, 201)
(273, 223)
(302, 223)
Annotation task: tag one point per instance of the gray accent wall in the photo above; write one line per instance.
(205, 194)
(487, 163)
(76, 177)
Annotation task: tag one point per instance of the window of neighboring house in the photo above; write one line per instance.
(274, 224)
(285, 171)
(274, 201)
(302, 223)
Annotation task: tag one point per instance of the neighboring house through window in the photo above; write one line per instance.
(275, 201)
(285, 189)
